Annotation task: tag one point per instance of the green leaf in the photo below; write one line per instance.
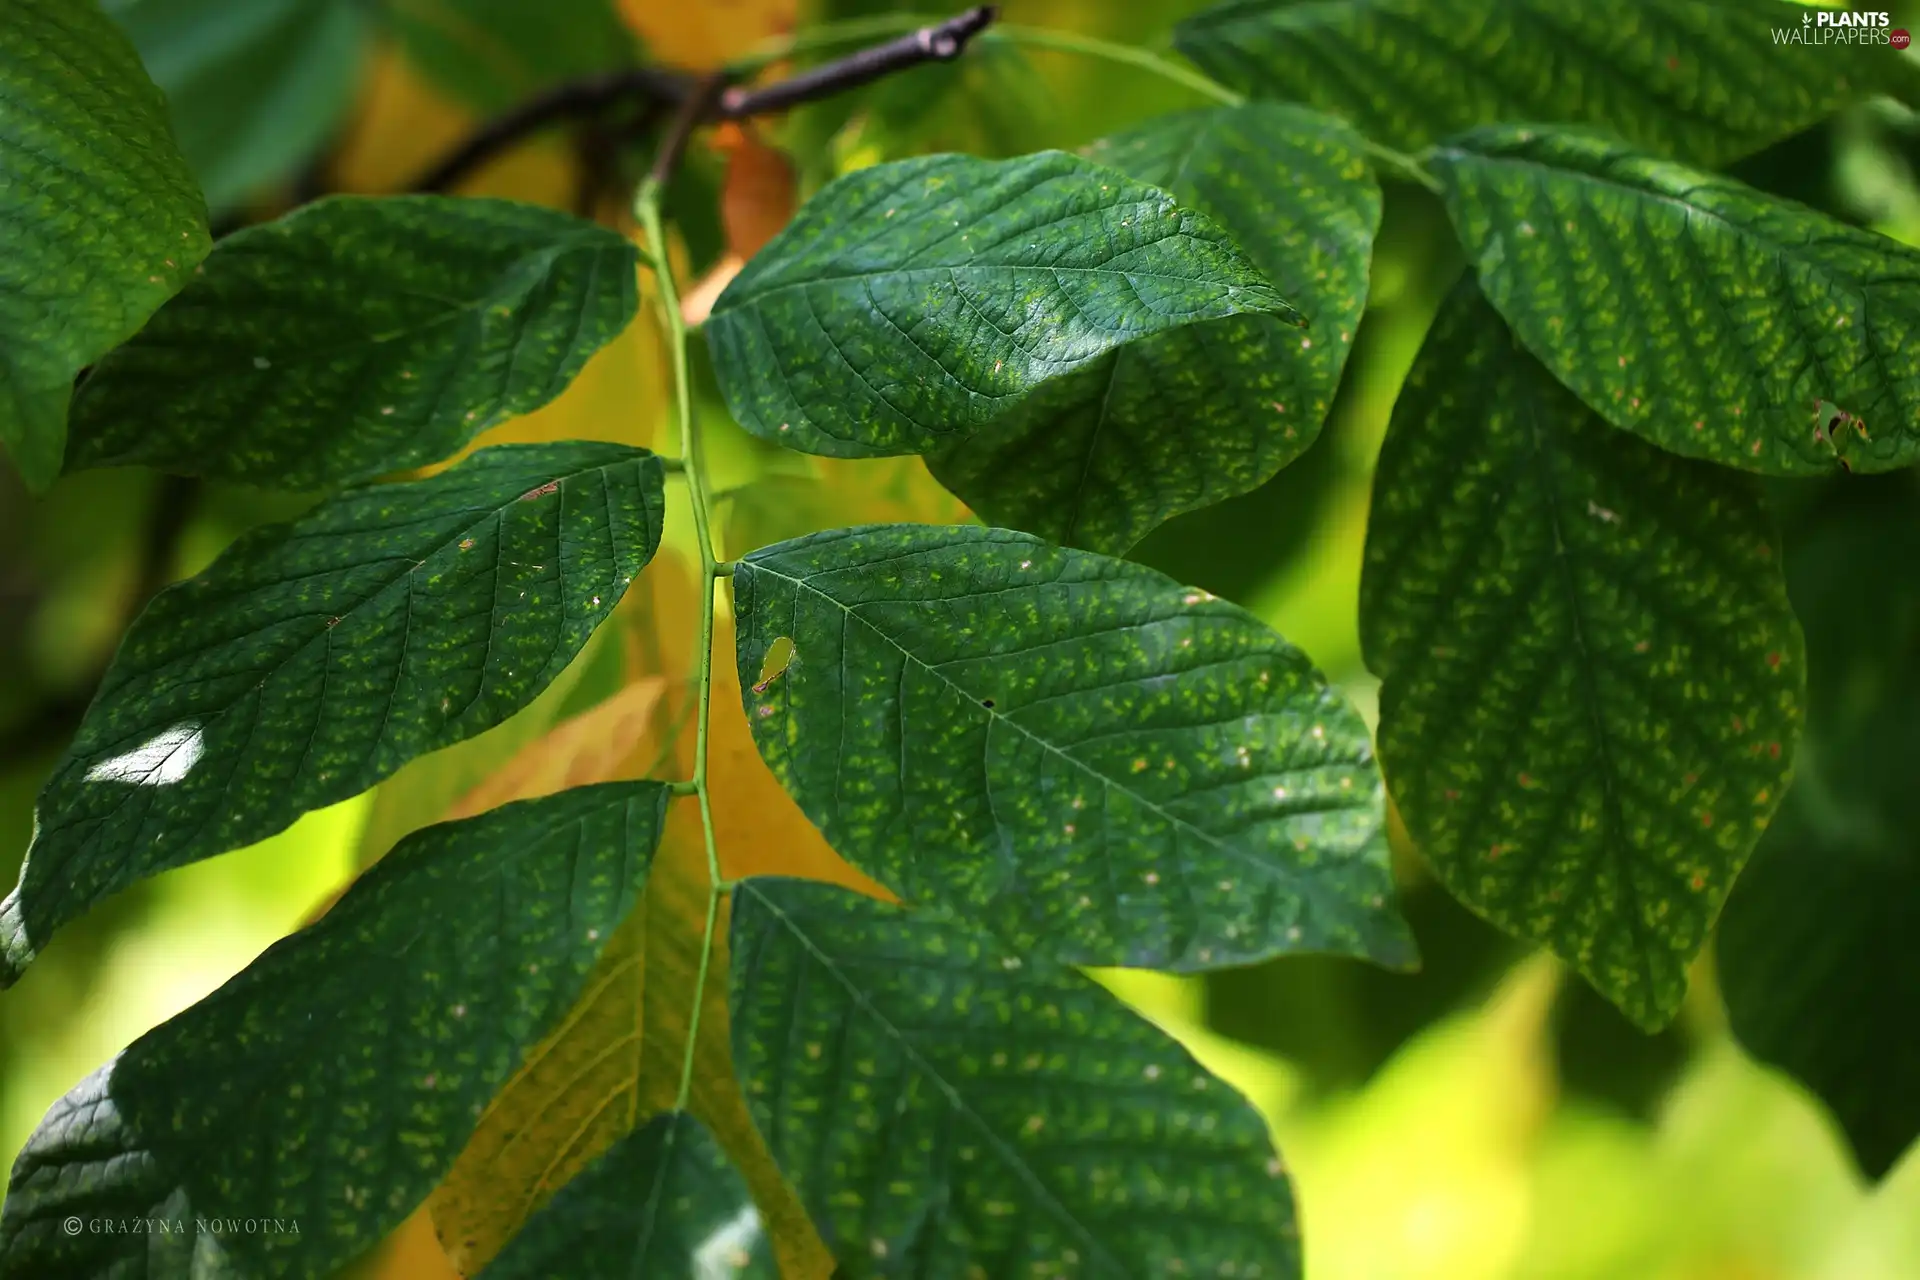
(1591, 677)
(946, 1107)
(100, 217)
(911, 303)
(1191, 417)
(255, 87)
(665, 1201)
(1714, 320)
(326, 1090)
(1819, 949)
(315, 658)
(1103, 766)
(357, 337)
(1704, 80)
(492, 54)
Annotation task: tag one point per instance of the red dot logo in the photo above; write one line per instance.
(1899, 39)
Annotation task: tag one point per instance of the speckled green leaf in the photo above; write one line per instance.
(331, 1084)
(911, 303)
(255, 87)
(357, 337)
(1707, 317)
(665, 1201)
(1191, 417)
(946, 1107)
(1819, 948)
(1097, 763)
(100, 218)
(1591, 678)
(492, 54)
(1704, 80)
(315, 658)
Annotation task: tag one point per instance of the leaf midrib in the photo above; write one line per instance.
(1009, 1156)
(1307, 884)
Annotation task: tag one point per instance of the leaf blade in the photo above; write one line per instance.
(1147, 733)
(455, 608)
(102, 220)
(253, 91)
(1816, 959)
(1704, 80)
(1730, 325)
(258, 1102)
(1183, 419)
(920, 324)
(954, 1142)
(696, 1216)
(1591, 675)
(356, 337)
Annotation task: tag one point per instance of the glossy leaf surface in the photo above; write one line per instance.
(945, 1105)
(255, 88)
(910, 303)
(100, 217)
(1097, 763)
(1819, 949)
(332, 1082)
(1710, 318)
(1591, 677)
(1190, 417)
(315, 658)
(357, 337)
(1705, 80)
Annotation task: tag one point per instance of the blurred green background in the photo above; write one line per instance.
(1485, 1118)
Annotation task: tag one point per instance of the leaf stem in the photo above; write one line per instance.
(693, 458)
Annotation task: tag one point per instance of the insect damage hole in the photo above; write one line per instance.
(780, 655)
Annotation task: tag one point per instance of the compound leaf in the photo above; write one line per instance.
(618, 1056)
(100, 217)
(1101, 765)
(1819, 962)
(910, 303)
(934, 1096)
(1710, 318)
(1100, 457)
(315, 658)
(1591, 676)
(664, 1201)
(331, 1083)
(357, 337)
(1704, 80)
(254, 88)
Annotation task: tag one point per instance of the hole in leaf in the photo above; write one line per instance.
(987, 702)
(779, 657)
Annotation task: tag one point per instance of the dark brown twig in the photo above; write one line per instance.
(693, 109)
(574, 100)
(941, 42)
(663, 88)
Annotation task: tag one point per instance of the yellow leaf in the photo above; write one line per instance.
(404, 126)
(833, 493)
(588, 748)
(411, 1252)
(618, 1057)
(706, 33)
